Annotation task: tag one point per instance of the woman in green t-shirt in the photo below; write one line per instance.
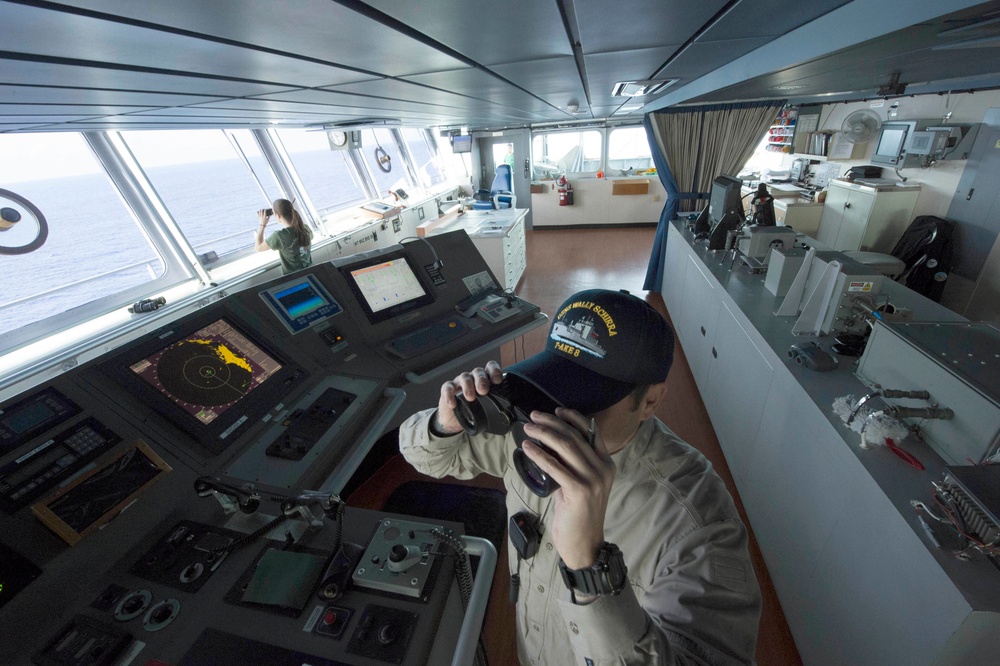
(292, 241)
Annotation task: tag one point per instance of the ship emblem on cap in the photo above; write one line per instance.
(579, 333)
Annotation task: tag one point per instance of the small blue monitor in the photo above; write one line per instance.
(300, 303)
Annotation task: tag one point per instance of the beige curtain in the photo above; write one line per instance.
(680, 132)
(702, 143)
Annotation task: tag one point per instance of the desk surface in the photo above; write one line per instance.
(485, 223)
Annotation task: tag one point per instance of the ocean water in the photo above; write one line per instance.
(95, 248)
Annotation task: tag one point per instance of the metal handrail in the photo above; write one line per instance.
(468, 635)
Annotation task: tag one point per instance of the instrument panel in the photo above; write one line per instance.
(168, 500)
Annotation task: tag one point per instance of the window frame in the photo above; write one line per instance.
(375, 194)
(600, 131)
(427, 136)
(610, 133)
(142, 203)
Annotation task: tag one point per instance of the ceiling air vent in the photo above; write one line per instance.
(640, 88)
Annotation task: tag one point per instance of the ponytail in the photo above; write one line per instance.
(283, 207)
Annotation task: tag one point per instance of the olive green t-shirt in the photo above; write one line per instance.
(293, 256)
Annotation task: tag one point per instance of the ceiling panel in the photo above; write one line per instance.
(767, 18)
(701, 58)
(73, 76)
(481, 63)
(27, 110)
(489, 32)
(328, 112)
(405, 91)
(321, 30)
(863, 68)
(19, 94)
(22, 127)
(640, 24)
(556, 80)
(218, 112)
(378, 106)
(479, 84)
(61, 35)
(164, 122)
(44, 118)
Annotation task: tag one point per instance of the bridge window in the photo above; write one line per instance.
(376, 145)
(628, 149)
(458, 165)
(329, 176)
(570, 153)
(94, 248)
(426, 162)
(213, 182)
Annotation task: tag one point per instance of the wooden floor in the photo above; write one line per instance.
(561, 262)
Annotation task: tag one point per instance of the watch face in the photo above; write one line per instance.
(338, 138)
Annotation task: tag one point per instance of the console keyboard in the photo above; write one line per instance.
(427, 338)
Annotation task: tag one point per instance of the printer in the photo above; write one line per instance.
(755, 242)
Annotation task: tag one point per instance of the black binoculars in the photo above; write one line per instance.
(506, 408)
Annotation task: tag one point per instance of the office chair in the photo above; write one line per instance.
(500, 195)
(923, 256)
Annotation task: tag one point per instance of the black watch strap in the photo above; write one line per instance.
(607, 575)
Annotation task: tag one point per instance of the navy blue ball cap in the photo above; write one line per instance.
(602, 344)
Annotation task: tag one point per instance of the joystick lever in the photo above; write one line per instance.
(402, 557)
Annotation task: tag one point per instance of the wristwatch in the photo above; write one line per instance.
(607, 575)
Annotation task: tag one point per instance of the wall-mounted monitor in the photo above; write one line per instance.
(207, 375)
(891, 145)
(300, 303)
(461, 143)
(386, 285)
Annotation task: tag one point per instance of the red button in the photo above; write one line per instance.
(330, 618)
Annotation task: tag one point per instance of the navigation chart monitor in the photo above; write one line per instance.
(386, 286)
(301, 303)
(208, 377)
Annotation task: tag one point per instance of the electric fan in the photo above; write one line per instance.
(860, 126)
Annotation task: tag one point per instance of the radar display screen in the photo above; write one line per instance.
(208, 371)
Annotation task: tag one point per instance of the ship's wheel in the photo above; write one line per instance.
(23, 228)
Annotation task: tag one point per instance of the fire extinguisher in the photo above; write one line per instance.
(565, 192)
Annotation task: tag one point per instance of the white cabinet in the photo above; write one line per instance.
(859, 217)
(738, 381)
(696, 324)
(674, 266)
(499, 237)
